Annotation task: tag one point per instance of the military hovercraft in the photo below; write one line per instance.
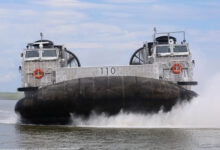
(159, 75)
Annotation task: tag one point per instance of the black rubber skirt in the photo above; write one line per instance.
(54, 104)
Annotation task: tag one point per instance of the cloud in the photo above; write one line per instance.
(102, 28)
(9, 13)
(118, 14)
(210, 36)
(8, 77)
(86, 45)
(3, 12)
(24, 12)
(62, 17)
(65, 13)
(181, 12)
(131, 1)
(89, 31)
(110, 45)
(29, 16)
(73, 4)
(211, 3)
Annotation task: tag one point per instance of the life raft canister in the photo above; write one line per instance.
(176, 68)
(38, 73)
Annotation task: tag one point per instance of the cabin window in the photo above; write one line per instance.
(180, 49)
(163, 49)
(48, 45)
(49, 53)
(31, 54)
(36, 46)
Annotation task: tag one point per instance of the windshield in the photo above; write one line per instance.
(31, 54)
(163, 49)
(49, 53)
(180, 49)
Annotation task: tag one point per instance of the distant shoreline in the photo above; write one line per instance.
(11, 95)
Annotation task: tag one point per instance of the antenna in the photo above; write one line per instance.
(41, 35)
(155, 32)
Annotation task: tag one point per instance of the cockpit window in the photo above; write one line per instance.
(49, 53)
(163, 49)
(31, 54)
(180, 49)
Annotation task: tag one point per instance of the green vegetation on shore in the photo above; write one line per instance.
(11, 95)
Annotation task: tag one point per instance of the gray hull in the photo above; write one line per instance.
(55, 103)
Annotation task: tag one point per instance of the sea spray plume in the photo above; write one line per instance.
(202, 112)
(205, 109)
(8, 117)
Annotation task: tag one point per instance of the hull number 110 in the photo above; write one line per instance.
(108, 70)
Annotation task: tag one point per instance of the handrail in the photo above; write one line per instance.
(168, 34)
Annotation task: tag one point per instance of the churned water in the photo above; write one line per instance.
(194, 125)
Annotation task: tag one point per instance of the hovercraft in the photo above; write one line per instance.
(159, 75)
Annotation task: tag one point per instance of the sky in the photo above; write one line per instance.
(107, 32)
